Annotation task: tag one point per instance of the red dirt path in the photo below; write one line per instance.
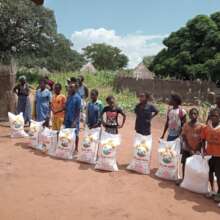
(36, 187)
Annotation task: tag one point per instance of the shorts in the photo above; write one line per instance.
(185, 154)
(214, 166)
(57, 122)
(68, 124)
(172, 138)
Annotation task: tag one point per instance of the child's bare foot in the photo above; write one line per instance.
(211, 194)
(217, 197)
(179, 181)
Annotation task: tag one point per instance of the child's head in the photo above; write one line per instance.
(80, 80)
(215, 116)
(193, 114)
(110, 100)
(72, 88)
(94, 94)
(144, 97)
(71, 80)
(175, 100)
(42, 84)
(22, 80)
(57, 88)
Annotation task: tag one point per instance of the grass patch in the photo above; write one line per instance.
(104, 81)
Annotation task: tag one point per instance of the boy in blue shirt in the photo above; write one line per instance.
(94, 110)
(72, 113)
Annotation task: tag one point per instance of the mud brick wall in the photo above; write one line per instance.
(190, 91)
(7, 83)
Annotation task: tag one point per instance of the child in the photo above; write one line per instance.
(211, 137)
(145, 112)
(43, 103)
(216, 106)
(72, 111)
(176, 117)
(94, 110)
(82, 90)
(58, 107)
(191, 137)
(112, 111)
(22, 90)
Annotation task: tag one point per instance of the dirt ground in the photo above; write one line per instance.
(36, 187)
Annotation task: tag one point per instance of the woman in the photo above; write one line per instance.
(43, 103)
(24, 105)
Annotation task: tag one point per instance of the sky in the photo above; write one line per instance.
(137, 27)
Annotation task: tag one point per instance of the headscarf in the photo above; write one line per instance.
(22, 78)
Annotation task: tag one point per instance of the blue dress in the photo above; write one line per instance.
(81, 91)
(94, 111)
(43, 99)
(73, 106)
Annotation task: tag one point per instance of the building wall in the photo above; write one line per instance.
(7, 83)
(190, 91)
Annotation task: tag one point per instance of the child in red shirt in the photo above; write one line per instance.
(211, 136)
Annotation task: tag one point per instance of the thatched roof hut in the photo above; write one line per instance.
(88, 68)
(142, 72)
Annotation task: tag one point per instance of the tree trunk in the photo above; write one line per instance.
(7, 83)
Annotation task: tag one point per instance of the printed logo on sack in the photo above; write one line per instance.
(88, 141)
(167, 154)
(107, 150)
(33, 130)
(142, 149)
(141, 152)
(17, 124)
(64, 142)
(108, 147)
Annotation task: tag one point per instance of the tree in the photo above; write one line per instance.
(105, 56)
(28, 33)
(148, 60)
(24, 28)
(192, 51)
(60, 57)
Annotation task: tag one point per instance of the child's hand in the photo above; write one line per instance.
(120, 126)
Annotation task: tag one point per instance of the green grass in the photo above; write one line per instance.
(104, 81)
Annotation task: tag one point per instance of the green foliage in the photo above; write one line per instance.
(105, 57)
(192, 52)
(148, 60)
(32, 75)
(29, 33)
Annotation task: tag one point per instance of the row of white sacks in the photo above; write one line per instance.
(100, 148)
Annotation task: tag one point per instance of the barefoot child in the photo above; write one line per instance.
(58, 107)
(94, 110)
(43, 99)
(112, 112)
(176, 117)
(145, 112)
(216, 106)
(211, 137)
(72, 111)
(191, 137)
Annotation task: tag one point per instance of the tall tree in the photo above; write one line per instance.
(24, 28)
(192, 51)
(104, 56)
(29, 34)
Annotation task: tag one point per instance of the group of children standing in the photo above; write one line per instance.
(196, 137)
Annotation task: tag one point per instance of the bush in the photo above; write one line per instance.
(32, 75)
